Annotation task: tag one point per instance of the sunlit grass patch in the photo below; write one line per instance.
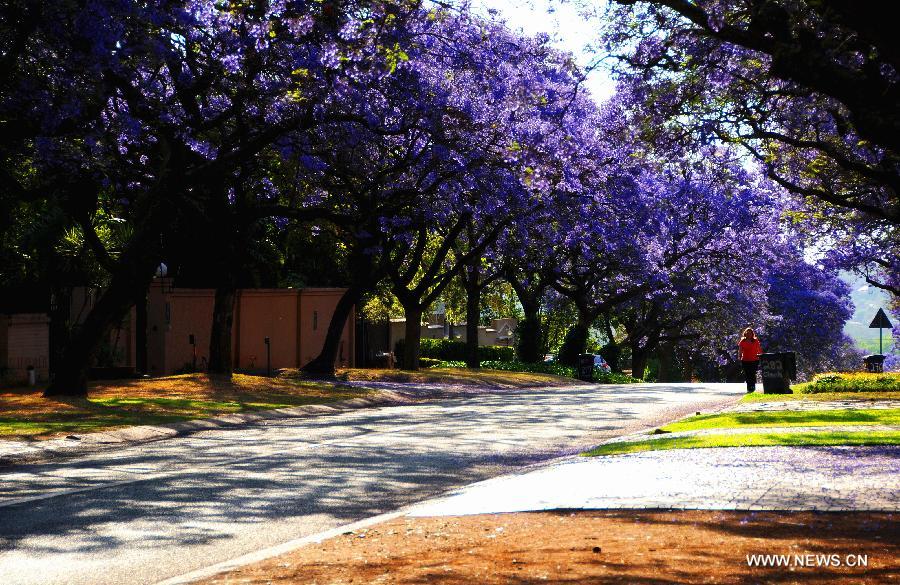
(470, 377)
(787, 418)
(826, 438)
(24, 413)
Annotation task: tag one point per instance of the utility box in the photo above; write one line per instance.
(778, 369)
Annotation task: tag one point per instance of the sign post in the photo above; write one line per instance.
(880, 322)
(875, 363)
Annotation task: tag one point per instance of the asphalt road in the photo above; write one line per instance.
(149, 512)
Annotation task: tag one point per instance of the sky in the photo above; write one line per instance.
(569, 30)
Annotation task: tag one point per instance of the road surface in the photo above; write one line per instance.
(145, 513)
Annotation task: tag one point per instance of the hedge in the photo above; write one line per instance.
(557, 369)
(851, 382)
(455, 350)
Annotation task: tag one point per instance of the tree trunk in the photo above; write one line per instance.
(576, 339)
(134, 274)
(220, 350)
(473, 316)
(410, 358)
(323, 364)
(140, 344)
(666, 354)
(638, 361)
(529, 344)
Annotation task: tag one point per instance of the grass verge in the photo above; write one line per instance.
(112, 404)
(750, 440)
(484, 377)
(787, 418)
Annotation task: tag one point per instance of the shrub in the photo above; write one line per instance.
(430, 363)
(851, 382)
(455, 350)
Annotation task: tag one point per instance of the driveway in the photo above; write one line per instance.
(144, 513)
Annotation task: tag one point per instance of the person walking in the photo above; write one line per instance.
(749, 350)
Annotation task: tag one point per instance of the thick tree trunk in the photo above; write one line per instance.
(473, 316)
(220, 350)
(576, 339)
(529, 342)
(410, 358)
(688, 365)
(134, 274)
(666, 354)
(638, 361)
(323, 365)
(140, 344)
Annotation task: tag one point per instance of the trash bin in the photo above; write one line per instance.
(874, 363)
(585, 367)
(778, 369)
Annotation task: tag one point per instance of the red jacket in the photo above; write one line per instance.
(750, 350)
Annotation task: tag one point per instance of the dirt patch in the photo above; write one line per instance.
(630, 546)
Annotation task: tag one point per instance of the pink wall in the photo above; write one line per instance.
(295, 320)
(317, 306)
(172, 315)
(25, 342)
(268, 313)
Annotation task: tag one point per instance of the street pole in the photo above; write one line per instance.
(268, 357)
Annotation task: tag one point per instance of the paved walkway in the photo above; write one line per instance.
(738, 478)
(757, 430)
(804, 405)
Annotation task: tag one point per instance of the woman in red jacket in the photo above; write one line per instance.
(749, 350)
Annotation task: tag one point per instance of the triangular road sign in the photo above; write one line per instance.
(880, 321)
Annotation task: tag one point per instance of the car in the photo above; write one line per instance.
(599, 362)
(549, 358)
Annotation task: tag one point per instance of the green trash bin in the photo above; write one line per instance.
(777, 370)
(585, 367)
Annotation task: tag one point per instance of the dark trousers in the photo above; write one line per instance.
(750, 374)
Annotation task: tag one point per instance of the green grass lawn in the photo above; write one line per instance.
(786, 418)
(750, 440)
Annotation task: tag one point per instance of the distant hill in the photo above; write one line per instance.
(867, 300)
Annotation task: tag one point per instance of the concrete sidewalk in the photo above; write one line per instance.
(736, 478)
